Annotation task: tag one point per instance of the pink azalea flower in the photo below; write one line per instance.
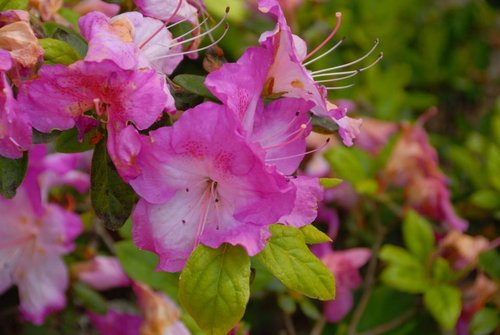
(202, 182)
(119, 97)
(375, 134)
(101, 273)
(35, 236)
(15, 127)
(131, 40)
(280, 128)
(289, 76)
(345, 266)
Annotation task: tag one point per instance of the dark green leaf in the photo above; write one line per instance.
(58, 52)
(140, 265)
(90, 298)
(214, 287)
(490, 262)
(444, 303)
(68, 142)
(111, 197)
(287, 256)
(194, 84)
(59, 32)
(323, 125)
(12, 173)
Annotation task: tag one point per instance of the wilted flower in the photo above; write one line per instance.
(462, 250)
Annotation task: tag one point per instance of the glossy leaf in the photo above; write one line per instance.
(214, 287)
(287, 257)
(58, 52)
(444, 303)
(12, 172)
(111, 197)
(313, 235)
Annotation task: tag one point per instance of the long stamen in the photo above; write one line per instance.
(197, 50)
(179, 4)
(206, 196)
(298, 136)
(329, 37)
(339, 87)
(375, 44)
(281, 130)
(299, 155)
(380, 56)
(198, 36)
(190, 31)
(17, 243)
(337, 79)
(325, 53)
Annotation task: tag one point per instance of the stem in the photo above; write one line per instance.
(370, 279)
(318, 326)
(105, 237)
(289, 324)
(391, 324)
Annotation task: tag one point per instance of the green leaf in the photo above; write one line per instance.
(486, 199)
(194, 84)
(13, 4)
(490, 262)
(111, 197)
(330, 182)
(214, 287)
(441, 270)
(12, 173)
(418, 236)
(309, 309)
(287, 257)
(323, 125)
(352, 165)
(68, 142)
(444, 303)
(140, 265)
(404, 272)
(90, 298)
(395, 303)
(484, 322)
(70, 15)
(74, 39)
(313, 235)
(58, 52)
(493, 165)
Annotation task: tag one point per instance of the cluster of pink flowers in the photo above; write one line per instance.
(222, 173)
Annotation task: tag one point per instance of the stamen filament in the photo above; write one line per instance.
(205, 199)
(329, 37)
(297, 136)
(325, 53)
(337, 79)
(179, 4)
(299, 155)
(375, 44)
(339, 87)
(198, 36)
(197, 50)
(380, 56)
